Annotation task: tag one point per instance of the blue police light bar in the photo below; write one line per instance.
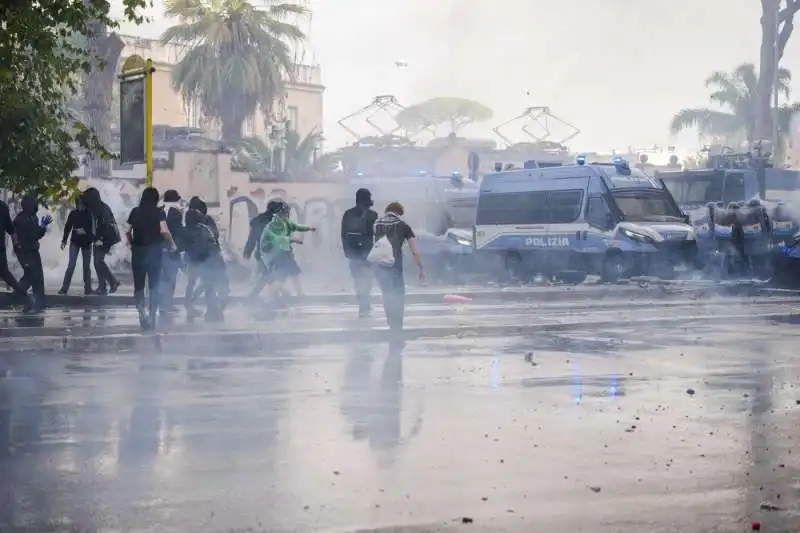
(455, 174)
(581, 159)
(619, 161)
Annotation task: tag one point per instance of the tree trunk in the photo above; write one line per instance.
(767, 65)
(98, 91)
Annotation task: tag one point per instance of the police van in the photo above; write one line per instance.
(566, 222)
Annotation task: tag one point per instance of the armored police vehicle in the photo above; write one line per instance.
(565, 222)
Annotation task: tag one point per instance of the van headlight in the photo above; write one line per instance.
(635, 236)
(464, 242)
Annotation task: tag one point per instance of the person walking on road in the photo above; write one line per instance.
(78, 230)
(252, 247)
(7, 228)
(276, 249)
(392, 231)
(146, 235)
(172, 261)
(357, 238)
(204, 255)
(29, 230)
(106, 235)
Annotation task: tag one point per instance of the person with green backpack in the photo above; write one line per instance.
(275, 247)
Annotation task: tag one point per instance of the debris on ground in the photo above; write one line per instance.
(595, 489)
(756, 526)
(690, 391)
(768, 506)
(467, 520)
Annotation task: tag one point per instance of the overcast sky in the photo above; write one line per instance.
(617, 69)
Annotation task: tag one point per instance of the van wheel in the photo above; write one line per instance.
(513, 267)
(613, 268)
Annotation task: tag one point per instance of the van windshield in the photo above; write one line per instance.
(693, 189)
(646, 205)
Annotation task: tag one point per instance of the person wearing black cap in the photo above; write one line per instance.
(357, 238)
(171, 262)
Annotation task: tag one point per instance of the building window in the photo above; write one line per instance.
(293, 116)
(194, 114)
(249, 126)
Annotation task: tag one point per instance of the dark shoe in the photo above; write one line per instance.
(62, 291)
(102, 292)
(88, 292)
(114, 286)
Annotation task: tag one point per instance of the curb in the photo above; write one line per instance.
(523, 295)
(232, 342)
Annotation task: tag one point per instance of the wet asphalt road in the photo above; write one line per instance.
(583, 428)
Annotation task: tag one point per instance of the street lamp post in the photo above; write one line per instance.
(775, 78)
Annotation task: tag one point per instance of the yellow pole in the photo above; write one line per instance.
(148, 119)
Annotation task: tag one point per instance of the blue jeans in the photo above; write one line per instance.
(393, 289)
(361, 271)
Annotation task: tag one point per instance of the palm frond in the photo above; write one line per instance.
(708, 121)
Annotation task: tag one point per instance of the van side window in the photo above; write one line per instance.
(518, 208)
(597, 212)
(565, 206)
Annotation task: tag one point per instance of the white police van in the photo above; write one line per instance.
(566, 222)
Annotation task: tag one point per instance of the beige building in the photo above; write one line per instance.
(303, 98)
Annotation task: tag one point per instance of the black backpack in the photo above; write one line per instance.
(356, 232)
(202, 242)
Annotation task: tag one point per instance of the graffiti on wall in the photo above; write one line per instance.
(321, 208)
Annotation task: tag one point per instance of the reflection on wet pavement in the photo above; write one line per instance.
(515, 433)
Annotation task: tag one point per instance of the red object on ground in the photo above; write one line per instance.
(456, 298)
(756, 526)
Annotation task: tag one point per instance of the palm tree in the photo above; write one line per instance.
(257, 158)
(734, 95)
(238, 55)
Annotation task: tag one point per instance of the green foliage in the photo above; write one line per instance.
(42, 56)
(239, 55)
(734, 95)
(255, 156)
(455, 112)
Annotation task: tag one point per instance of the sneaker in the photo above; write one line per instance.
(62, 291)
(114, 286)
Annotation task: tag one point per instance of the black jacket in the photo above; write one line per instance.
(176, 228)
(78, 228)
(257, 225)
(358, 231)
(6, 224)
(105, 227)
(26, 227)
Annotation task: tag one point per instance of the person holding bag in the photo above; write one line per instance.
(391, 232)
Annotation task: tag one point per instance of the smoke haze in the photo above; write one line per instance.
(617, 69)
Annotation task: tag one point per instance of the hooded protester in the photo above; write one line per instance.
(252, 247)
(205, 260)
(146, 234)
(172, 262)
(7, 228)
(29, 230)
(78, 230)
(106, 235)
(357, 239)
(276, 246)
(390, 278)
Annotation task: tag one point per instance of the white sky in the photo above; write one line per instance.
(617, 69)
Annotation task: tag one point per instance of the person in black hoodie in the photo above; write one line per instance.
(357, 238)
(78, 230)
(29, 230)
(106, 235)
(204, 255)
(251, 248)
(7, 227)
(147, 234)
(172, 262)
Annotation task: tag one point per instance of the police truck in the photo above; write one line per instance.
(569, 221)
